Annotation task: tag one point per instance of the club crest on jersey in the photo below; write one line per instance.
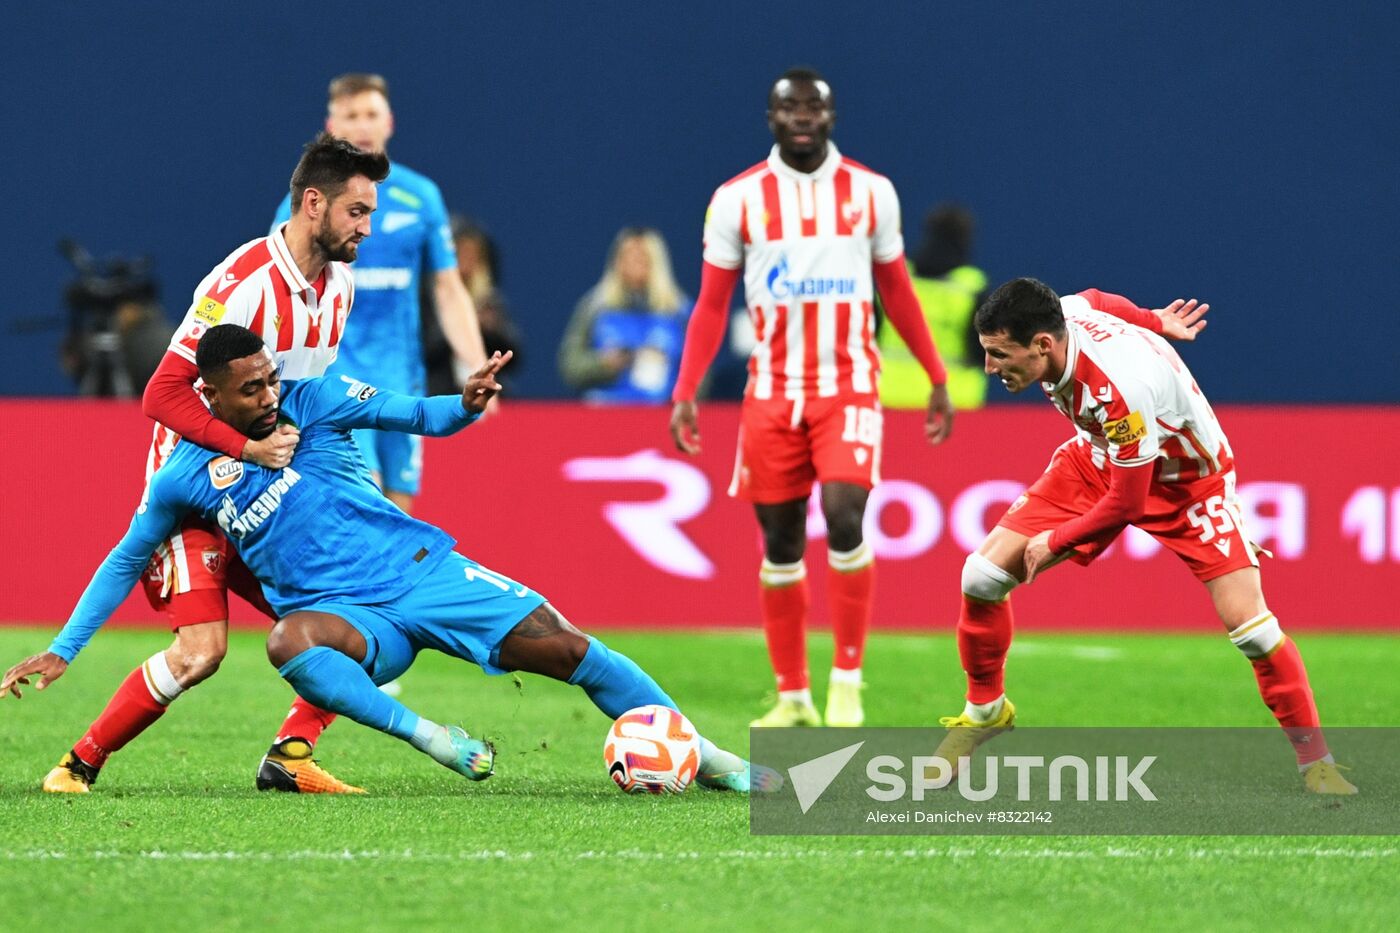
(210, 310)
(1125, 430)
(851, 213)
(225, 471)
(213, 560)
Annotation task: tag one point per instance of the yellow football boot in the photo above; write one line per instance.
(965, 734)
(843, 707)
(787, 714)
(1325, 777)
(71, 775)
(288, 766)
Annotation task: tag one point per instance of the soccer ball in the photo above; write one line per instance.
(652, 750)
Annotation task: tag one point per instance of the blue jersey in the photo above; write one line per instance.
(314, 530)
(409, 232)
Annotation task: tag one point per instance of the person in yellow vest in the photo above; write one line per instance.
(949, 290)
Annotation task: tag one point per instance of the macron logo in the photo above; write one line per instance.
(811, 778)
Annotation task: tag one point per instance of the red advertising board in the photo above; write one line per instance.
(593, 507)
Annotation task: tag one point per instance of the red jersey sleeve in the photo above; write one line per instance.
(1121, 307)
(170, 399)
(902, 306)
(1124, 504)
(706, 328)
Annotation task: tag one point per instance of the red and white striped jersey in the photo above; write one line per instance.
(260, 287)
(1134, 401)
(806, 242)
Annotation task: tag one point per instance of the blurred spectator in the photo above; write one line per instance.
(479, 265)
(949, 289)
(624, 341)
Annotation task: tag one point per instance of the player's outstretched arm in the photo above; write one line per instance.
(114, 579)
(364, 406)
(48, 666)
(1182, 319)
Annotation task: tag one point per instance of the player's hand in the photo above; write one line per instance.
(482, 386)
(48, 666)
(685, 427)
(1038, 555)
(1182, 319)
(938, 427)
(274, 451)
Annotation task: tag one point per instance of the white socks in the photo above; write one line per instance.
(1259, 636)
(163, 686)
(433, 740)
(985, 712)
(838, 676)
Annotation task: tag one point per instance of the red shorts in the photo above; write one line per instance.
(784, 446)
(190, 576)
(1199, 520)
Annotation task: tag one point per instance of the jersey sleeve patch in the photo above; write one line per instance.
(210, 311)
(359, 391)
(1125, 430)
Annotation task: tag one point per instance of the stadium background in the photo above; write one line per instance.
(1243, 154)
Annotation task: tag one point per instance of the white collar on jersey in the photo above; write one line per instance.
(829, 164)
(1071, 361)
(282, 256)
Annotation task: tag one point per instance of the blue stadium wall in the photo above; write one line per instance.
(1242, 152)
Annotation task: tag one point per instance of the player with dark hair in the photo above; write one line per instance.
(413, 233)
(294, 290)
(1147, 451)
(360, 586)
(814, 234)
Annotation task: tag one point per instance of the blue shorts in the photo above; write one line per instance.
(461, 609)
(396, 458)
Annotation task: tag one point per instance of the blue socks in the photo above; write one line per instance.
(334, 682)
(614, 682)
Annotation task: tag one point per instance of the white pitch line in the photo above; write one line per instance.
(887, 855)
(1061, 649)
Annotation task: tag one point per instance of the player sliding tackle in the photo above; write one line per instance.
(1147, 451)
(359, 586)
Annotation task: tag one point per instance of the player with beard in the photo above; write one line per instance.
(294, 289)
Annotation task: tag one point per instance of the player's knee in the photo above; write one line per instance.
(570, 654)
(984, 580)
(285, 641)
(191, 665)
(785, 545)
(843, 530)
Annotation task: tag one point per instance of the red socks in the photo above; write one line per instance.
(851, 589)
(139, 701)
(305, 722)
(783, 599)
(984, 636)
(1283, 683)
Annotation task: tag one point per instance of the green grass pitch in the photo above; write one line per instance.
(174, 836)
